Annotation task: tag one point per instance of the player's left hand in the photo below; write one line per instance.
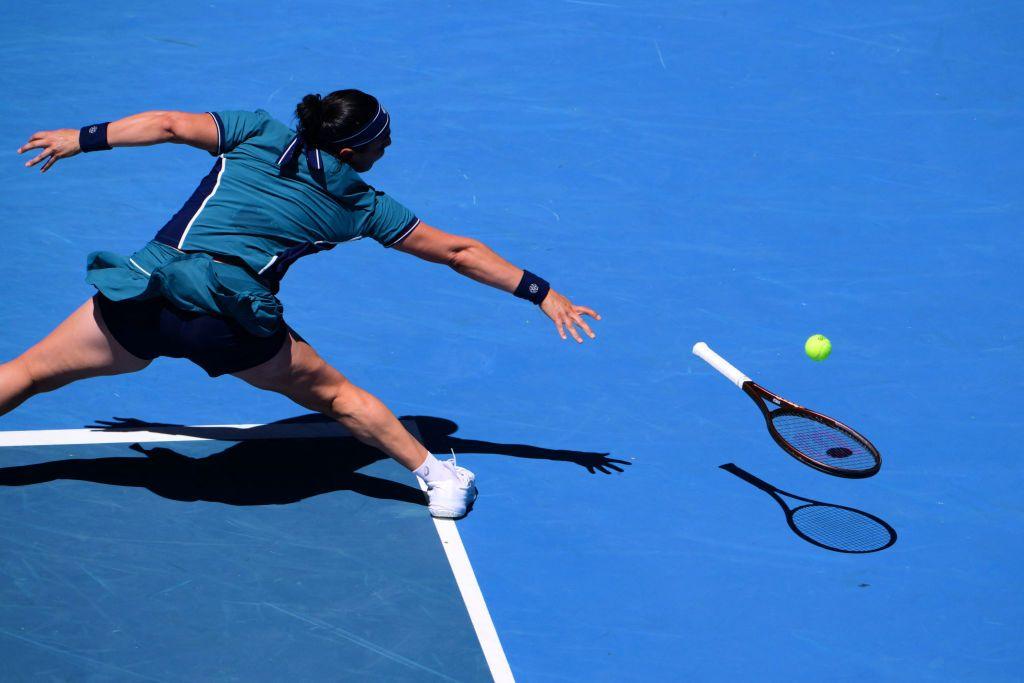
(566, 315)
(56, 144)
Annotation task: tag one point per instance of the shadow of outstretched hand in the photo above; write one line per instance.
(127, 424)
(437, 434)
(599, 462)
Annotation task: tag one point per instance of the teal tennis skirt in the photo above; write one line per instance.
(192, 282)
(164, 302)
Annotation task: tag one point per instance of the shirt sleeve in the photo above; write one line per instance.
(387, 220)
(235, 127)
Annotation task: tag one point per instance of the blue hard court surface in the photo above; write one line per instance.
(746, 173)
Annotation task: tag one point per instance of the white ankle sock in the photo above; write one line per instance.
(433, 469)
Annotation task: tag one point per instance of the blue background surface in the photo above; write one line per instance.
(743, 173)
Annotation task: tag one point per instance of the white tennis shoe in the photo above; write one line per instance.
(452, 498)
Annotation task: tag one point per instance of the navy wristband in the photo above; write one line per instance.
(93, 138)
(532, 288)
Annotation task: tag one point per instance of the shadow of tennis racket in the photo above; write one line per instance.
(838, 528)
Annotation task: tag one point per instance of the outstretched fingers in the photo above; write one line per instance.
(578, 319)
(567, 316)
(49, 162)
(48, 154)
(34, 142)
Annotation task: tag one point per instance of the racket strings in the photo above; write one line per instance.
(841, 529)
(823, 443)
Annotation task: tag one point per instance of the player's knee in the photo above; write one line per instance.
(284, 376)
(20, 377)
(348, 401)
(43, 384)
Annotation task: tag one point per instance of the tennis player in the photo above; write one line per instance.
(205, 287)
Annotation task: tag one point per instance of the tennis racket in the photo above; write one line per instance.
(833, 527)
(812, 438)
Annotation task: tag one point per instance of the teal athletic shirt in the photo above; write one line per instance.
(257, 207)
(266, 203)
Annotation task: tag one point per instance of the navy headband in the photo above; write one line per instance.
(370, 132)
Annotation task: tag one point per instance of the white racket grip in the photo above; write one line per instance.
(718, 363)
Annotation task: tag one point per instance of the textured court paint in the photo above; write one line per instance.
(742, 173)
(114, 581)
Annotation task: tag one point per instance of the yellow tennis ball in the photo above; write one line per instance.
(818, 347)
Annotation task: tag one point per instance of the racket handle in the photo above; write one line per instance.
(718, 363)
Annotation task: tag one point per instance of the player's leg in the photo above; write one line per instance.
(80, 347)
(299, 373)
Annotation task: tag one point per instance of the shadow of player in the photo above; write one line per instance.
(258, 472)
(266, 468)
(435, 434)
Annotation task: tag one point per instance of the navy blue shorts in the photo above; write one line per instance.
(153, 328)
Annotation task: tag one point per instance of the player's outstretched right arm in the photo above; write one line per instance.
(475, 260)
(147, 128)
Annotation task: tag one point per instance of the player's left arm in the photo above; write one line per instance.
(147, 128)
(477, 261)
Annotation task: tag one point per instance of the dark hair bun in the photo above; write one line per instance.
(310, 112)
(340, 114)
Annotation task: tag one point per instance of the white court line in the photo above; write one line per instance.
(451, 541)
(447, 530)
(67, 437)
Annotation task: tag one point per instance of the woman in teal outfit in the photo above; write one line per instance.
(205, 287)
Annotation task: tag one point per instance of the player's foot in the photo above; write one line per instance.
(452, 498)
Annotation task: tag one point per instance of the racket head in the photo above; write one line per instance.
(814, 439)
(840, 528)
